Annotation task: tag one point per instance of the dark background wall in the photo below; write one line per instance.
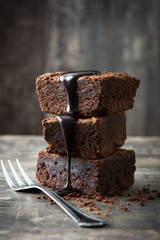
(107, 35)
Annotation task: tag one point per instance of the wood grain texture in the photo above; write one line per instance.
(112, 35)
(22, 216)
(39, 36)
(21, 60)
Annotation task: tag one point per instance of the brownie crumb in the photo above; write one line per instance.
(105, 200)
(109, 210)
(96, 213)
(67, 197)
(141, 203)
(151, 197)
(99, 198)
(158, 194)
(51, 201)
(38, 197)
(91, 209)
(154, 190)
(87, 203)
(146, 190)
(106, 215)
(124, 208)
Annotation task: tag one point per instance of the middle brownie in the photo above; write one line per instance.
(93, 138)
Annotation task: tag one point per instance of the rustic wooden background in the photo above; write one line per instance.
(38, 36)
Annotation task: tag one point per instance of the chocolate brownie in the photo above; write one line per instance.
(93, 138)
(107, 176)
(98, 95)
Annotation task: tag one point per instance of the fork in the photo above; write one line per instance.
(82, 219)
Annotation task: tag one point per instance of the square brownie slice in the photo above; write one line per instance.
(107, 176)
(98, 95)
(92, 138)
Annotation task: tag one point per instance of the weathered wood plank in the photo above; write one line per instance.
(39, 36)
(22, 27)
(22, 216)
(117, 36)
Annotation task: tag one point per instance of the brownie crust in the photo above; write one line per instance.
(98, 95)
(92, 138)
(108, 176)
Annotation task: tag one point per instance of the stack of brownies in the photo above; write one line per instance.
(98, 163)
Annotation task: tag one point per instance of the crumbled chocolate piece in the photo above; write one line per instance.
(146, 190)
(67, 197)
(158, 194)
(98, 198)
(154, 190)
(91, 209)
(38, 197)
(96, 213)
(124, 208)
(90, 203)
(109, 210)
(105, 200)
(51, 201)
(151, 197)
(141, 203)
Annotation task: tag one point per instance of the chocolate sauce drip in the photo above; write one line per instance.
(67, 124)
(68, 119)
(69, 80)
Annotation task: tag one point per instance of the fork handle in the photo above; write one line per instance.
(82, 219)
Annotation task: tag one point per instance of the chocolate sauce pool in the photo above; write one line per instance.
(68, 119)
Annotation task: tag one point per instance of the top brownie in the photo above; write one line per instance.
(98, 95)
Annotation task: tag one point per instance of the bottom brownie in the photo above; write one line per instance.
(108, 176)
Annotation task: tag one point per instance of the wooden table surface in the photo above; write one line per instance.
(22, 216)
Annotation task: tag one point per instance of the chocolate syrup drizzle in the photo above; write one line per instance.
(68, 119)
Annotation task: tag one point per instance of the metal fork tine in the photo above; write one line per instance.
(25, 175)
(8, 179)
(19, 181)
